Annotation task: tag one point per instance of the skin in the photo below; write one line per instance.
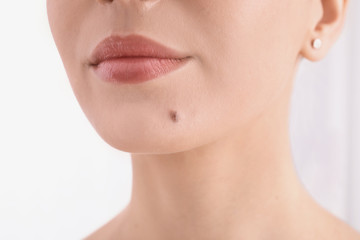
(209, 142)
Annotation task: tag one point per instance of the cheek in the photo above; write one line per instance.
(67, 19)
(248, 52)
(66, 22)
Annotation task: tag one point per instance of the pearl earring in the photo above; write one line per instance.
(317, 43)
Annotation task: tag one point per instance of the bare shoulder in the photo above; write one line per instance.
(314, 222)
(109, 231)
(338, 229)
(347, 232)
(322, 226)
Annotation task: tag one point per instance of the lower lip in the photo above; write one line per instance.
(132, 70)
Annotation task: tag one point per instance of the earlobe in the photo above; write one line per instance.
(326, 30)
(314, 49)
(317, 43)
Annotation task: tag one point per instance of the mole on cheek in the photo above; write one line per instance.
(174, 116)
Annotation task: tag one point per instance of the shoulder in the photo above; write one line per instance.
(112, 230)
(314, 222)
(342, 230)
(333, 228)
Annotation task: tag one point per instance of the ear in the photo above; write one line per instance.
(326, 24)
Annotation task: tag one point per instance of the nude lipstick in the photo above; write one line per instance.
(133, 59)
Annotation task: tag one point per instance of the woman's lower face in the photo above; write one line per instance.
(241, 53)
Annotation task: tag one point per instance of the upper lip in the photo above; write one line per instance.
(116, 46)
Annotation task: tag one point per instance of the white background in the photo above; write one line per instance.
(59, 180)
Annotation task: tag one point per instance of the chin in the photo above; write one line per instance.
(151, 142)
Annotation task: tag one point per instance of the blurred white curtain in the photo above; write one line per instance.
(325, 123)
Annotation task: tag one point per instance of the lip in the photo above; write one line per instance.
(133, 59)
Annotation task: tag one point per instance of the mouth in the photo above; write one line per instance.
(133, 59)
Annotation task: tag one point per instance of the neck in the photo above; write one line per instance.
(235, 186)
